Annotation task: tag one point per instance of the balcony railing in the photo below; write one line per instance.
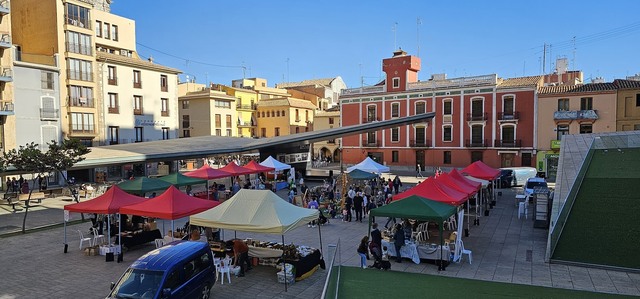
(80, 102)
(80, 23)
(79, 48)
(49, 113)
(454, 82)
(507, 143)
(5, 8)
(112, 81)
(82, 128)
(420, 143)
(78, 75)
(6, 74)
(476, 143)
(477, 116)
(6, 108)
(137, 111)
(370, 119)
(363, 90)
(114, 110)
(5, 40)
(370, 143)
(509, 115)
(246, 106)
(244, 124)
(137, 84)
(575, 114)
(164, 113)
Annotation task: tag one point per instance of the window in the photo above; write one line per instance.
(137, 105)
(113, 103)
(106, 31)
(395, 134)
(283, 113)
(476, 156)
(278, 113)
(477, 110)
(112, 78)
(263, 114)
(138, 134)
(563, 104)
(395, 157)
(448, 107)
(446, 159)
(185, 121)
(562, 130)
(164, 107)
(476, 135)
(446, 133)
(114, 32)
(306, 115)
(80, 96)
(586, 128)
(277, 132)
(371, 138)
(263, 132)
(638, 100)
(507, 105)
(218, 132)
(526, 159)
(371, 113)
(229, 132)
(98, 29)
(297, 130)
(396, 82)
(395, 109)
(47, 80)
(48, 109)
(586, 103)
(185, 104)
(297, 115)
(222, 104)
(164, 83)
(331, 120)
(137, 80)
(79, 69)
(113, 135)
(421, 107)
(228, 120)
(82, 122)
(77, 16)
(421, 136)
(79, 43)
(508, 135)
(218, 120)
(165, 133)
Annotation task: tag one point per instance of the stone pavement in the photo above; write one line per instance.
(505, 249)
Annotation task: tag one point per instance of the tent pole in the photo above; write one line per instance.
(172, 231)
(66, 246)
(235, 235)
(120, 255)
(369, 230)
(320, 236)
(109, 227)
(284, 266)
(440, 247)
(207, 186)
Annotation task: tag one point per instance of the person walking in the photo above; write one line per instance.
(358, 201)
(348, 204)
(363, 251)
(396, 184)
(419, 171)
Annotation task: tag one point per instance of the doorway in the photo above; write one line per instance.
(420, 159)
(506, 160)
(375, 156)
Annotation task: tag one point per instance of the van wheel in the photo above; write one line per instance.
(206, 291)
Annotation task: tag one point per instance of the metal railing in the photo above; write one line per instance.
(370, 119)
(114, 110)
(477, 116)
(246, 107)
(137, 84)
(78, 75)
(455, 82)
(77, 22)
(164, 113)
(164, 88)
(476, 143)
(507, 143)
(362, 90)
(509, 115)
(370, 143)
(81, 102)
(49, 113)
(332, 282)
(79, 48)
(137, 111)
(420, 143)
(112, 81)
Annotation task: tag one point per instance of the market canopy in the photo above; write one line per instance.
(207, 173)
(144, 185)
(258, 168)
(275, 164)
(447, 180)
(416, 207)
(260, 211)
(464, 180)
(234, 170)
(369, 165)
(171, 204)
(178, 179)
(108, 203)
(358, 174)
(482, 171)
(431, 189)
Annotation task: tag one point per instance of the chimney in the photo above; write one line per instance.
(150, 59)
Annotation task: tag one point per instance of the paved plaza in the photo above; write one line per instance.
(505, 249)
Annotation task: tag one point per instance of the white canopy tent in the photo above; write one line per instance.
(369, 165)
(273, 163)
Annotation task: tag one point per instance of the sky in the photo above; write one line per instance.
(290, 41)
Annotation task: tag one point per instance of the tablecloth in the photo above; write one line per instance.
(307, 263)
(281, 185)
(432, 253)
(261, 252)
(408, 250)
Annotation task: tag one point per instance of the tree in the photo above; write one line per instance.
(61, 157)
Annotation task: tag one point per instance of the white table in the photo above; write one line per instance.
(429, 252)
(104, 249)
(408, 250)
(520, 198)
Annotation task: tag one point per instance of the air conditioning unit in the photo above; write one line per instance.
(446, 119)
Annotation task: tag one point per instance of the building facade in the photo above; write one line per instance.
(246, 105)
(206, 111)
(7, 119)
(327, 89)
(284, 116)
(628, 105)
(327, 150)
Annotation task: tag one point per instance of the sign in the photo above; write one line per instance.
(66, 216)
(150, 123)
(296, 158)
(555, 144)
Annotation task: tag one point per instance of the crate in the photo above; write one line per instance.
(291, 277)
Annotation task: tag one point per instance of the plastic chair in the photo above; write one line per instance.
(98, 237)
(159, 243)
(83, 239)
(523, 210)
(224, 267)
(464, 251)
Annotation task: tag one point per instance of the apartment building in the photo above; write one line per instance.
(284, 116)
(7, 121)
(628, 104)
(324, 120)
(246, 105)
(206, 111)
(327, 89)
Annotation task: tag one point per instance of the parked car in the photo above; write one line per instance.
(506, 178)
(533, 183)
(521, 174)
(181, 269)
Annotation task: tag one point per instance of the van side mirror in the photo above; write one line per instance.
(166, 293)
(113, 285)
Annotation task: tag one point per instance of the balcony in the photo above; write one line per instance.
(6, 74)
(78, 75)
(137, 111)
(476, 143)
(575, 115)
(137, 84)
(164, 113)
(477, 116)
(112, 81)
(241, 124)
(79, 48)
(5, 41)
(507, 143)
(509, 115)
(250, 107)
(370, 119)
(363, 90)
(370, 143)
(81, 102)
(114, 110)
(4, 7)
(419, 143)
(70, 20)
(49, 114)
(82, 129)
(6, 108)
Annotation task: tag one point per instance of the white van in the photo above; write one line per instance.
(522, 174)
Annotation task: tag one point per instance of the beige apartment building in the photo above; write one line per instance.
(323, 120)
(205, 111)
(628, 105)
(571, 109)
(7, 119)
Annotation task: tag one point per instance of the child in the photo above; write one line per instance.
(384, 263)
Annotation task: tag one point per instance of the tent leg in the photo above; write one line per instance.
(320, 236)
(120, 255)
(284, 266)
(66, 246)
(172, 231)
(441, 264)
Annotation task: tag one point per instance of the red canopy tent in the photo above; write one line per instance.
(480, 170)
(171, 204)
(234, 170)
(454, 174)
(258, 168)
(447, 180)
(207, 173)
(435, 191)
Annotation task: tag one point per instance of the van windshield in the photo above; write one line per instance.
(138, 284)
(532, 185)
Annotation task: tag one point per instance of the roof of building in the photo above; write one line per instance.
(621, 83)
(311, 82)
(207, 93)
(530, 81)
(119, 59)
(282, 102)
(592, 87)
(327, 113)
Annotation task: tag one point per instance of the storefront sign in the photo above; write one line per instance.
(555, 144)
(150, 123)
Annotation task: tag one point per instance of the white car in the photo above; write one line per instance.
(531, 184)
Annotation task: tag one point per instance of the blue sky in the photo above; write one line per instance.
(297, 40)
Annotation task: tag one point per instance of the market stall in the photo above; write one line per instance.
(143, 185)
(278, 167)
(369, 165)
(433, 190)
(483, 171)
(207, 173)
(178, 179)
